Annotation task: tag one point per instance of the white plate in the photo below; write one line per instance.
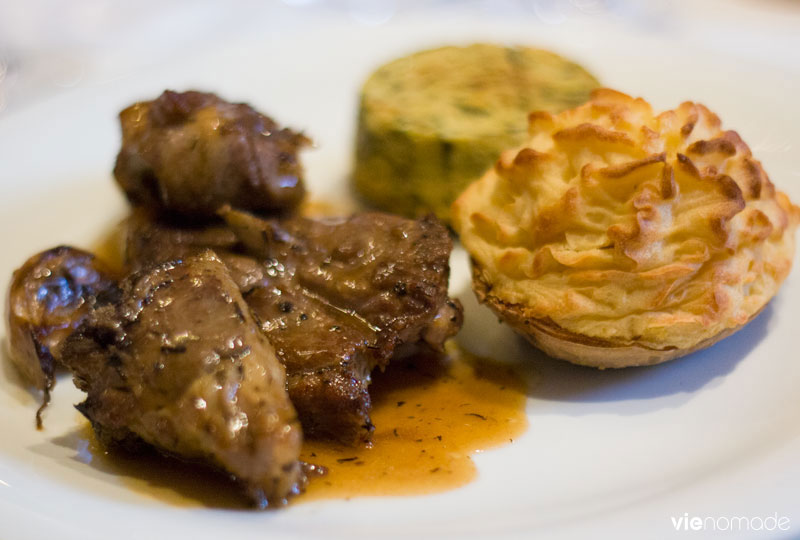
(712, 435)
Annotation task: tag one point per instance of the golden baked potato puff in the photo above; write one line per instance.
(616, 236)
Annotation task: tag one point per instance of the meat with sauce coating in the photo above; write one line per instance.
(336, 298)
(339, 298)
(186, 154)
(180, 364)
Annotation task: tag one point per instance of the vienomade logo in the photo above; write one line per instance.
(773, 522)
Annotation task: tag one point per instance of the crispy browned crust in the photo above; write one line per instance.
(659, 231)
(556, 342)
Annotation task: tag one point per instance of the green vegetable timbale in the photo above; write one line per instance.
(432, 122)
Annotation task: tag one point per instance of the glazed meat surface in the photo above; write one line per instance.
(180, 364)
(335, 297)
(50, 295)
(390, 271)
(339, 297)
(150, 239)
(189, 153)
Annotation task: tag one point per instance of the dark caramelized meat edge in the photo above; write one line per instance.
(186, 154)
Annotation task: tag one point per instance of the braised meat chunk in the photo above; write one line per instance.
(328, 370)
(180, 363)
(336, 298)
(339, 297)
(390, 271)
(329, 353)
(50, 295)
(150, 239)
(189, 153)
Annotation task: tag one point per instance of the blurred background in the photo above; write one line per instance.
(49, 46)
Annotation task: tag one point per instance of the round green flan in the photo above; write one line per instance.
(432, 122)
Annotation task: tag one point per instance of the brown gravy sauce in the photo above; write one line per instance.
(110, 248)
(430, 415)
(160, 478)
(316, 208)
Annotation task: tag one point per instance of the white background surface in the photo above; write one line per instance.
(607, 454)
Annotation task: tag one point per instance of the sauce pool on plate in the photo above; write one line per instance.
(430, 414)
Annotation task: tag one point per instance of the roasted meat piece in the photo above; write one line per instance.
(335, 297)
(390, 271)
(339, 297)
(189, 153)
(50, 295)
(180, 364)
(150, 239)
